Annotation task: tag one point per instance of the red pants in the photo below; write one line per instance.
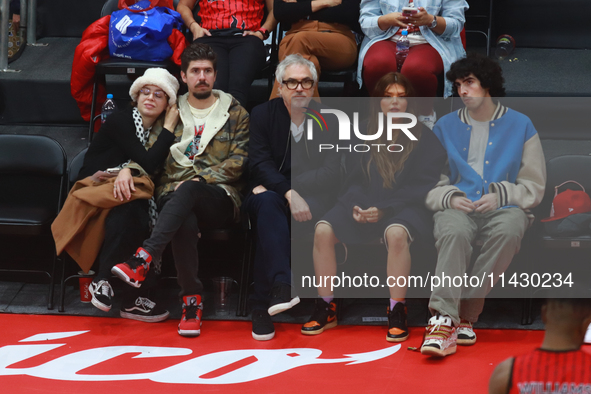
(422, 66)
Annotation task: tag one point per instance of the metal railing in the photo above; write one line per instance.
(4, 13)
(28, 28)
(32, 22)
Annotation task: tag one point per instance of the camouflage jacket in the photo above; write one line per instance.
(222, 154)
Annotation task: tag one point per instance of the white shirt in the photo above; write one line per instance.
(478, 141)
(200, 117)
(297, 131)
(415, 37)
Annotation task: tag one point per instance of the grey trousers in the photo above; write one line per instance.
(455, 231)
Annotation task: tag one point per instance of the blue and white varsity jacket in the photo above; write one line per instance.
(514, 164)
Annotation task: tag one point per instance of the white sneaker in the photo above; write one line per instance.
(102, 295)
(428, 120)
(466, 335)
(440, 337)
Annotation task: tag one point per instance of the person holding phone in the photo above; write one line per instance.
(124, 137)
(383, 197)
(433, 27)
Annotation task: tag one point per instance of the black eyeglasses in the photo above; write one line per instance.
(292, 84)
(157, 93)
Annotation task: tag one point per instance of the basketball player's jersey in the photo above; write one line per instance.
(550, 372)
(226, 14)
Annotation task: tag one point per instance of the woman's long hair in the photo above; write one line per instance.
(389, 163)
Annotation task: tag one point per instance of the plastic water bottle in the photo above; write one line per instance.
(402, 48)
(504, 47)
(108, 108)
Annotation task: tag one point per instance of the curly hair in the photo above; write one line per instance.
(198, 51)
(488, 72)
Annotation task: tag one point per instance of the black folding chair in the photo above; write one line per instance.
(75, 167)
(33, 178)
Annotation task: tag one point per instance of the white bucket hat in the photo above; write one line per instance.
(159, 77)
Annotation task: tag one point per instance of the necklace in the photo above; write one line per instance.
(208, 112)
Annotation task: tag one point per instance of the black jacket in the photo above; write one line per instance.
(116, 142)
(270, 154)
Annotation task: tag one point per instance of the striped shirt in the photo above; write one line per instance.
(226, 14)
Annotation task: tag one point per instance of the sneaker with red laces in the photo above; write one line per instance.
(466, 335)
(440, 337)
(134, 271)
(190, 325)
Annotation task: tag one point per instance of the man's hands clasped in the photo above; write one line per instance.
(487, 203)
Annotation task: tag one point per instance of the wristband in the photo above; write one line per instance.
(264, 32)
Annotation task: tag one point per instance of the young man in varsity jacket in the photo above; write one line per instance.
(496, 173)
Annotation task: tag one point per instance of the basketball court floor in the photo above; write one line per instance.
(81, 354)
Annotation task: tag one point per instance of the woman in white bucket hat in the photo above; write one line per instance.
(143, 133)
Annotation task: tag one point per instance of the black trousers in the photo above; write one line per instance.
(192, 207)
(126, 227)
(238, 61)
(274, 229)
(273, 245)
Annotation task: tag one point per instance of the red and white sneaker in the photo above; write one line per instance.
(190, 325)
(134, 271)
(440, 337)
(466, 335)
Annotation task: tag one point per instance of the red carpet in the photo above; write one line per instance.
(117, 355)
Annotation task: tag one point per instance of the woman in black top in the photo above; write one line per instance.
(118, 141)
(142, 133)
(321, 31)
(384, 196)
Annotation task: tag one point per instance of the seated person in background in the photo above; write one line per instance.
(435, 43)
(15, 41)
(15, 10)
(124, 136)
(383, 196)
(320, 31)
(289, 178)
(235, 31)
(559, 365)
(201, 184)
(496, 173)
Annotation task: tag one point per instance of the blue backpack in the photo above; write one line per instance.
(141, 31)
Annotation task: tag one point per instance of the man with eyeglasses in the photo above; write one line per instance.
(201, 185)
(287, 178)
